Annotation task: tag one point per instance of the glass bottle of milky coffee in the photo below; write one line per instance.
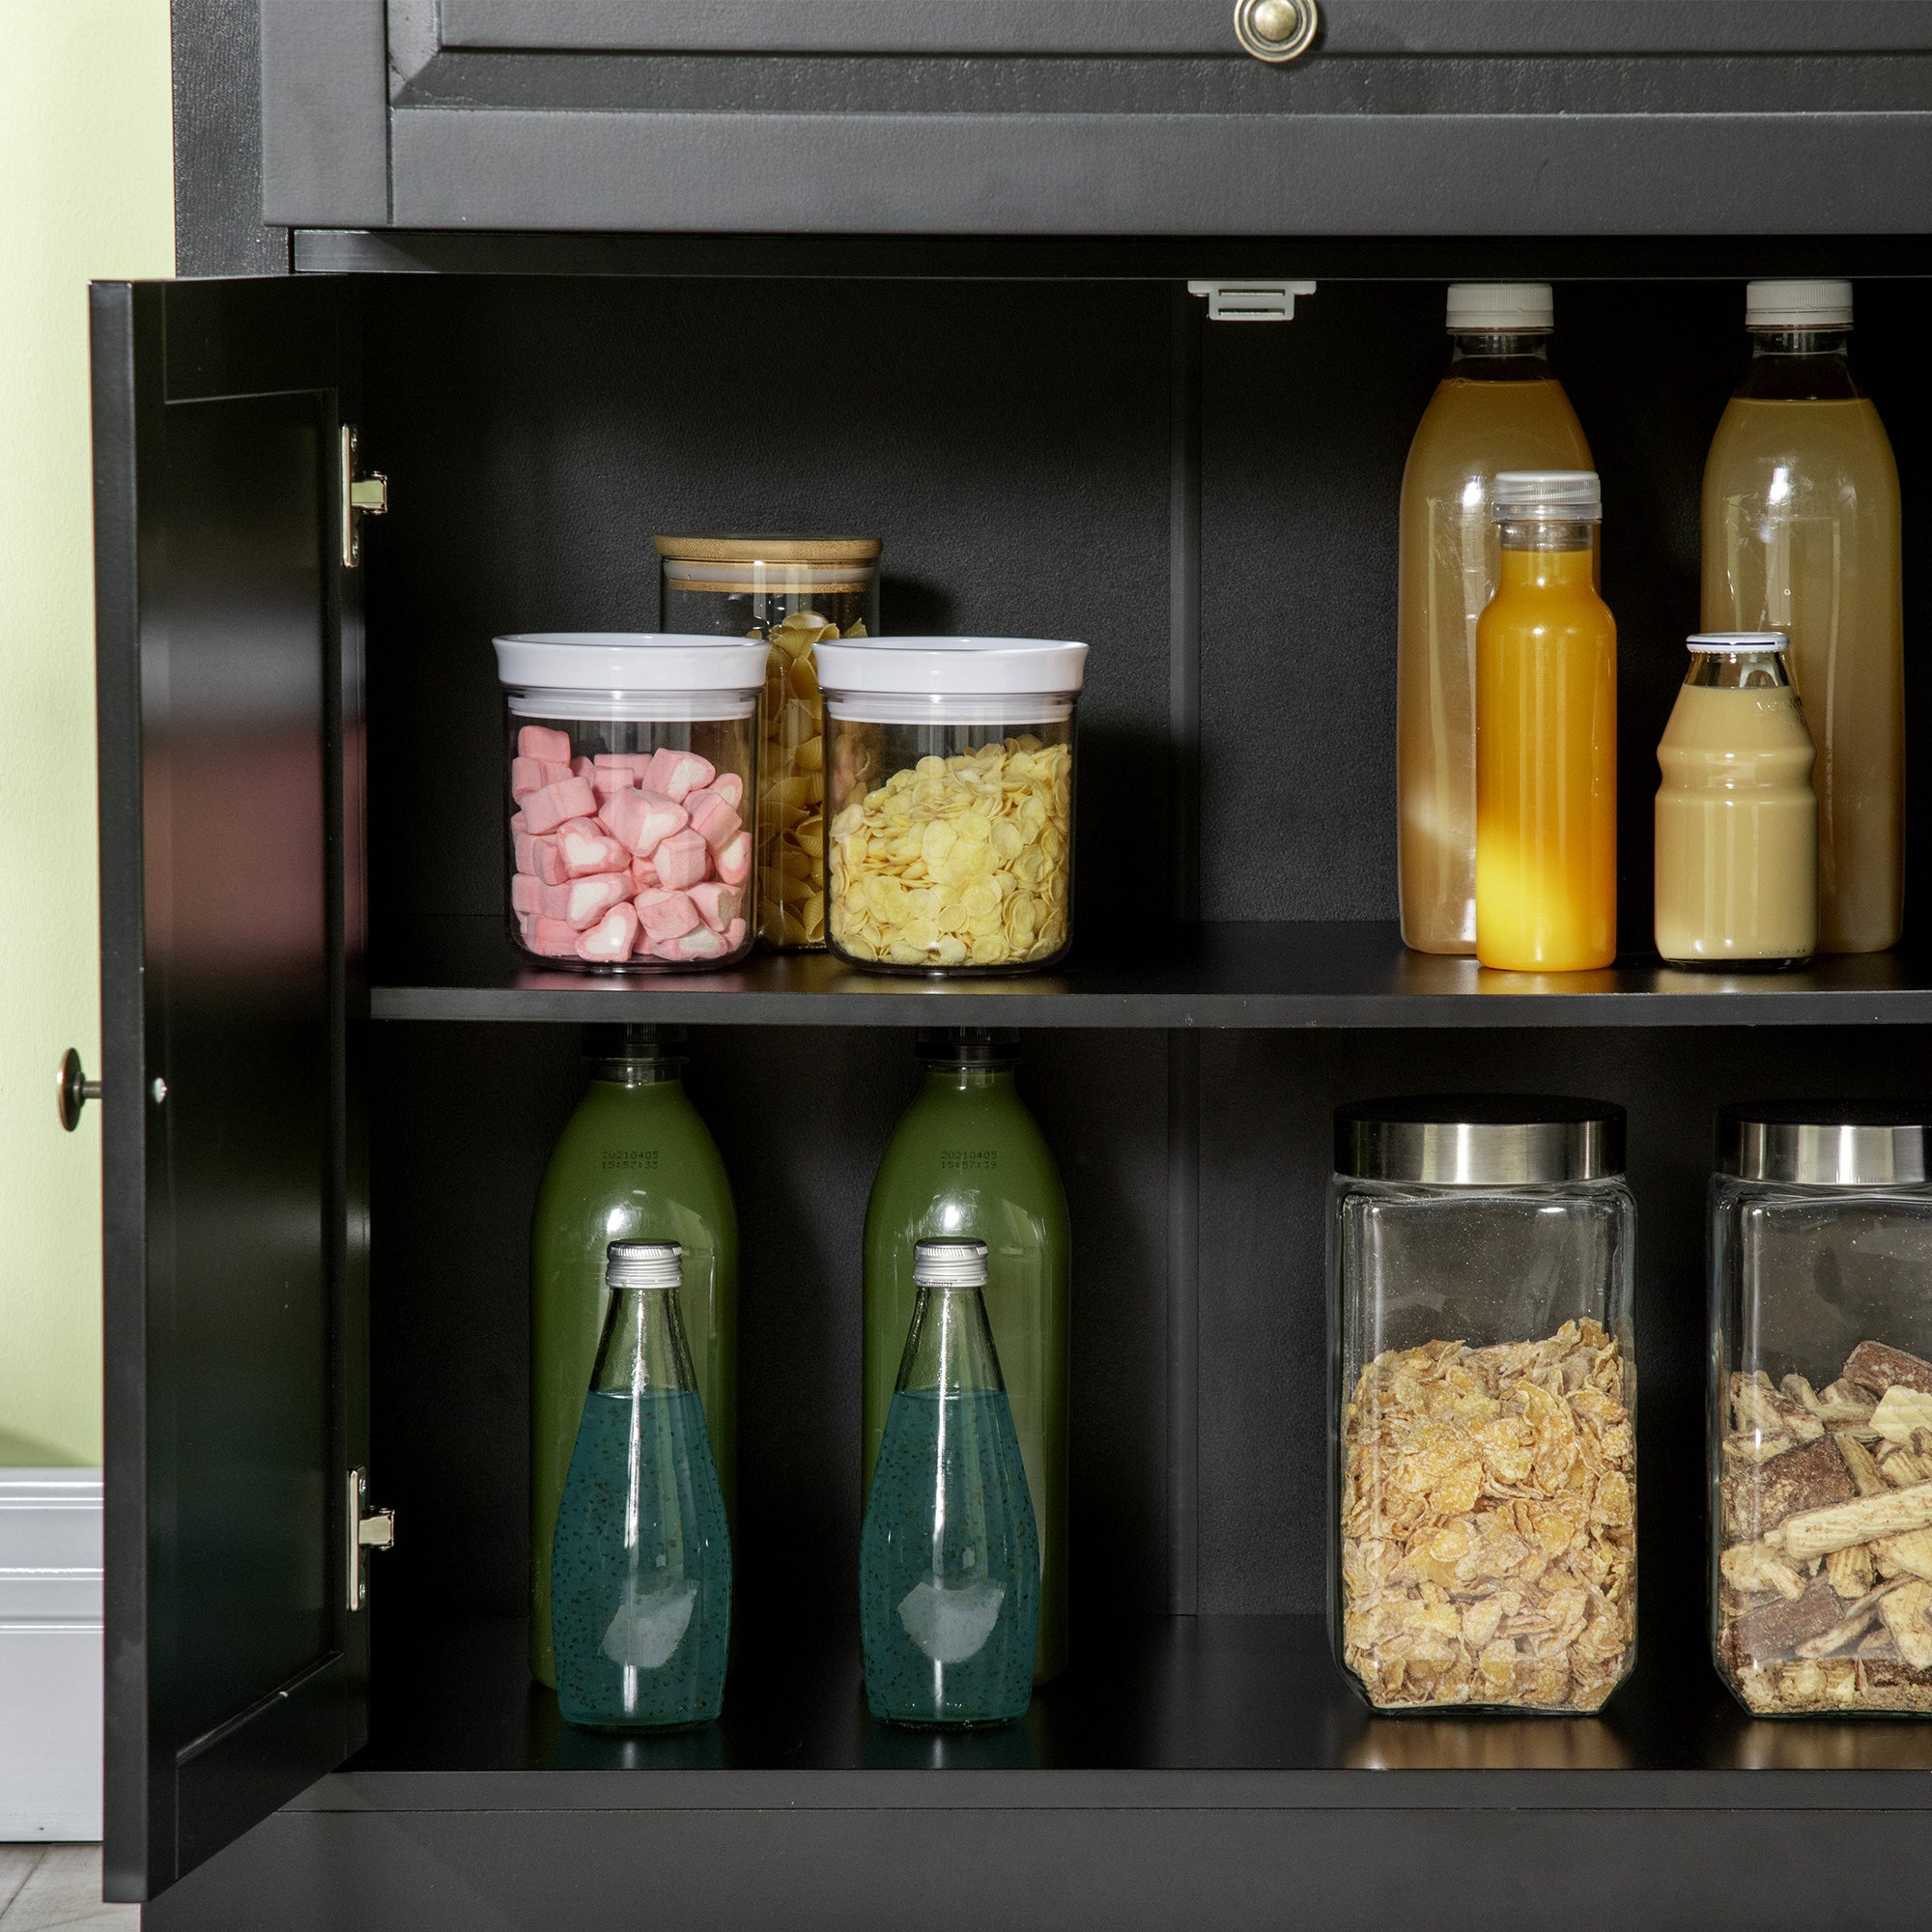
(1801, 535)
(1737, 820)
(1498, 407)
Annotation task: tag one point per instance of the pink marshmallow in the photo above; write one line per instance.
(734, 859)
(585, 847)
(546, 862)
(582, 768)
(734, 934)
(533, 741)
(641, 819)
(525, 894)
(702, 944)
(529, 775)
(519, 823)
(554, 938)
(636, 763)
(545, 809)
(676, 773)
(731, 787)
(611, 937)
(525, 845)
(582, 903)
(711, 817)
(717, 906)
(683, 859)
(666, 915)
(644, 873)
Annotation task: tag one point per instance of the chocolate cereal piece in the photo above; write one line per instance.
(1877, 1366)
(1758, 1498)
(1774, 1629)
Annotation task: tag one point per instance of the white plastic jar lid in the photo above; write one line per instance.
(950, 666)
(640, 661)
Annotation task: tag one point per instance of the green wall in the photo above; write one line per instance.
(86, 191)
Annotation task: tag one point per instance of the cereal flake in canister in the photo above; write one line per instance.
(1489, 1539)
(959, 861)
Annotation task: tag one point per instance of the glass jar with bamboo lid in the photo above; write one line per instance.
(795, 592)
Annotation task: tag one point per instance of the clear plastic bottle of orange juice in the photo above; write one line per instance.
(1547, 734)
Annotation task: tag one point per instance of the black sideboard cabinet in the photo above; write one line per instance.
(578, 272)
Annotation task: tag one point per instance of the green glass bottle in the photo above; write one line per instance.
(634, 1163)
(968, 1161)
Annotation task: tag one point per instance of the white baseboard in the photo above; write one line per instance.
(50, 1654)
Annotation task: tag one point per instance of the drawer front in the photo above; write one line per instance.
(1098, 117)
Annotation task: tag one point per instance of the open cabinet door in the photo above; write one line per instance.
(231, 865)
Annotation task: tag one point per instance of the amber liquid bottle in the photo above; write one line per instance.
(1801, 535)
(1499, 407)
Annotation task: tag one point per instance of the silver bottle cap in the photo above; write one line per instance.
(643, 1265)
(949, 1265)
(1825, 1143)
(1479, 1140)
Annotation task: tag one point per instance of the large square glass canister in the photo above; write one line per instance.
(1821, 1408)
(1481, 1257)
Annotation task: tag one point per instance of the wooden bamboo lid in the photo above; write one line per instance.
(770, 549)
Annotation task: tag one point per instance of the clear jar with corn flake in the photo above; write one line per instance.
(1821, 1408)
(951, 791)
(795, 592)
(1481, 1259)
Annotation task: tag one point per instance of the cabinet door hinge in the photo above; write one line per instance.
(361, 496)
(368, 1530)
(1251, 301)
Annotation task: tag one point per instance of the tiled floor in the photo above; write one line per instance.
(57, 1889)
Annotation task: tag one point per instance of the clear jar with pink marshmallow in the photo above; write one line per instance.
(629, 798)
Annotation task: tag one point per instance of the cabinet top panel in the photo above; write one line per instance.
(1077, 118)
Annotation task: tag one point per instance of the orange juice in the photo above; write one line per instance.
(1499, 407)
(1547, 736)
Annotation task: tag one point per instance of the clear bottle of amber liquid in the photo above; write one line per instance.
(1801, 535)
(1499, 407)
(1547, 735)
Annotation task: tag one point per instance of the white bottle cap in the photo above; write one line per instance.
(1546, 496)
(1508, 308)
(1798, 305)
(1737, 640)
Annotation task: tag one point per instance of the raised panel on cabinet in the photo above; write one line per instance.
(229, 681)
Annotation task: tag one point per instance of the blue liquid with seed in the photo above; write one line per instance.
(948, 1564)
(641, 1570)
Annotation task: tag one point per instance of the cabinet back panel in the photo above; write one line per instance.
(1306, 429)
(1266, 1152)
(1013, 441)
(1009, 442)
(464, 1118)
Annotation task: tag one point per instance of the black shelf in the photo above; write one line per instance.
(1313, 974)
(1156, 1711)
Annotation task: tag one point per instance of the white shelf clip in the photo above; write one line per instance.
(1251, 301)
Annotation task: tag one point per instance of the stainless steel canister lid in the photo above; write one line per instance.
(1479, 1140)
(1825, 1143)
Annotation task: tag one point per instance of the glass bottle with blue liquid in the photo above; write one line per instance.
(949, 1557)
(640, 1566)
